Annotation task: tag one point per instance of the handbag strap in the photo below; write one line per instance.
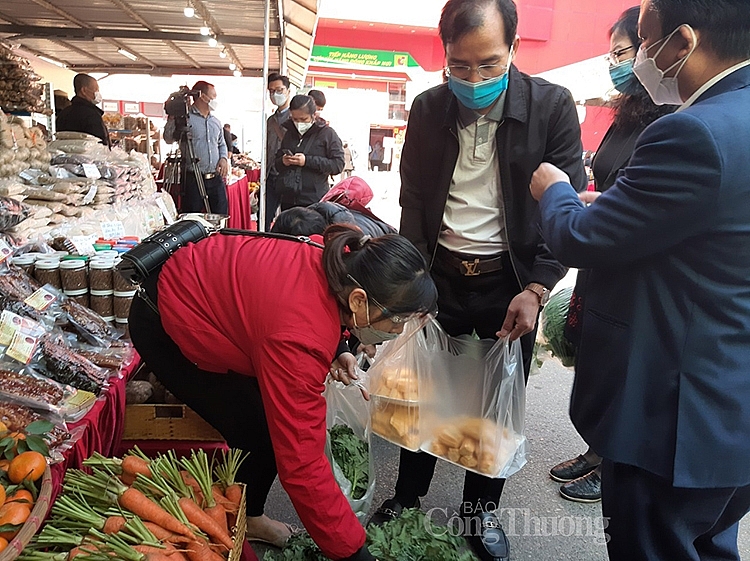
(287, 237)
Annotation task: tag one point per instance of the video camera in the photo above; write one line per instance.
(178, 103)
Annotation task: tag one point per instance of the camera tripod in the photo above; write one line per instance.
(178, 167)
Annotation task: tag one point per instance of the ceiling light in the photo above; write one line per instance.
(237, 74)
(223, 54)
(189, 11)
(212, 42)
(127, 54)
(232, 66)
(53, 61)
(205, 31)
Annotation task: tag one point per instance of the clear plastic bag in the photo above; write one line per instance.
(552, 342)
(348, 440)
(476, 417)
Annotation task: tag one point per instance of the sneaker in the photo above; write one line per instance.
(586, 489)
(389, 510)
(572, 469)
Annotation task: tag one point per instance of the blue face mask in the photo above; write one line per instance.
(478, 95)
(623, 78)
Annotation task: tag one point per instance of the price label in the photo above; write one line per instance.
(11, 323)
(91, 171)
(5, 250)
(84, 244)
(88, 197)
(22, 347)
(112, 230)
(40, 300)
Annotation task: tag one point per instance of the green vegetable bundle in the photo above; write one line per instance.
(410, 537)
(554, 317)
(352, 454)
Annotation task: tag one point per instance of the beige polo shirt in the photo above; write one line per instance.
(473, 220)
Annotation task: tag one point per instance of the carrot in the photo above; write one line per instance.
(76, 551)
(233, 493)
(191, 482)
(204, 522)
(137, 503)
(219, 514)
(221, 499)
(200, 551)
(127, 479)
(149, 549)
(162, 534)
(114, 524)
(133, 465)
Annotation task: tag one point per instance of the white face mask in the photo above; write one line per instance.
(663, 91)
(213, 104)
(278, 99)
(303, 127)
(367, 334)
(97, 98)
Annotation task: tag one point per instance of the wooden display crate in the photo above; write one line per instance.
(240, 527)
(167, 422)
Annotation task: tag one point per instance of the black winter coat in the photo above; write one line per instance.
(540, 124)
(83, 116)
(335, 213)
(324, 156)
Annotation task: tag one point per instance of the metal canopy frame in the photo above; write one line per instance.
(85, 35)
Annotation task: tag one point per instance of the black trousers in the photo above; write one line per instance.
(230, 402)
(465, 304)
(272, 201)
(650, 520)
(217, 195)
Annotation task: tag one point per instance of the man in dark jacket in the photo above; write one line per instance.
(310, 152)
(83, 115)
(471, 147)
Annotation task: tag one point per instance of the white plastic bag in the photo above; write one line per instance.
(347, 409)
(476, 417)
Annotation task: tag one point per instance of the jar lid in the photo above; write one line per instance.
(72, 264)
(106, 253)
(24, 260)
(59, 253)
(128, 294)
(101, 264)
(102, 292)
(81, 292)
(47, 264)
(75, 258)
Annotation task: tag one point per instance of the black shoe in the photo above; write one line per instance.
(572, 469)
(586, 489)
(491, 544)
(389, 510)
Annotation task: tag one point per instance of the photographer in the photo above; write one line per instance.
(210, 150)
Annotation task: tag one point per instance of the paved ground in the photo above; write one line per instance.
(541, 525)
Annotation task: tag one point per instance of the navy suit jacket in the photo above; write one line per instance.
(663, 371)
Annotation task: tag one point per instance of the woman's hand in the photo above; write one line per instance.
(369, 350)
(344, 369)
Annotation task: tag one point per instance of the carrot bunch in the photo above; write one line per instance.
(140, 509)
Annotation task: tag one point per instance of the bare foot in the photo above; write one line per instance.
(262, 528)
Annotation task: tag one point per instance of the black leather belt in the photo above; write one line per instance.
(210, 175)
(471, 266)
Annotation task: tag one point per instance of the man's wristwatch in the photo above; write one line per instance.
(540, 290)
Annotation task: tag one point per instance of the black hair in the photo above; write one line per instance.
(203, 86)
(635, 109)
(724, 24)
(303, 102)
(81, 81)
(389, 268)
(461, 17)
(319, 98)
(299, 221)
(275, 77)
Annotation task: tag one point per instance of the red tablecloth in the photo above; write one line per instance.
(239, 205)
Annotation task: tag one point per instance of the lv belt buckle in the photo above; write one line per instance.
(209, 175)
(472, 268)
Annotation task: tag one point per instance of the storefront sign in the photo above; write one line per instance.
(362, 57)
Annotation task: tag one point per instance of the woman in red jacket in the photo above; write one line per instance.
(246, 331)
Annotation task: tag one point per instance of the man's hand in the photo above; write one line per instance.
(588, 197)
(545, 176)
(344, 369)
(222, 168)
(296, 160)
(369, 350)
(521, 316)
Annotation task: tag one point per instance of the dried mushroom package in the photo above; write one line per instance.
(476, 416)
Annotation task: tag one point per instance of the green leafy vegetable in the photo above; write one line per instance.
(554, 316)
(410, 537)
(352, 454)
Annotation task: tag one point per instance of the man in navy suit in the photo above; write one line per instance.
(662, 384)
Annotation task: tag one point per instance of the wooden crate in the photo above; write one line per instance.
(34, 522)
(166, 422)
(240, 527)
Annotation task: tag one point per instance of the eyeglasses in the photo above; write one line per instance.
(485, 71)
(613, 57)
(277, 90)
(386, 314)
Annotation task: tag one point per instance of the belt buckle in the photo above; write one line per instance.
(209, 175)
(472, 268)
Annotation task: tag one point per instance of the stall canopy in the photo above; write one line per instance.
(157, 37)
